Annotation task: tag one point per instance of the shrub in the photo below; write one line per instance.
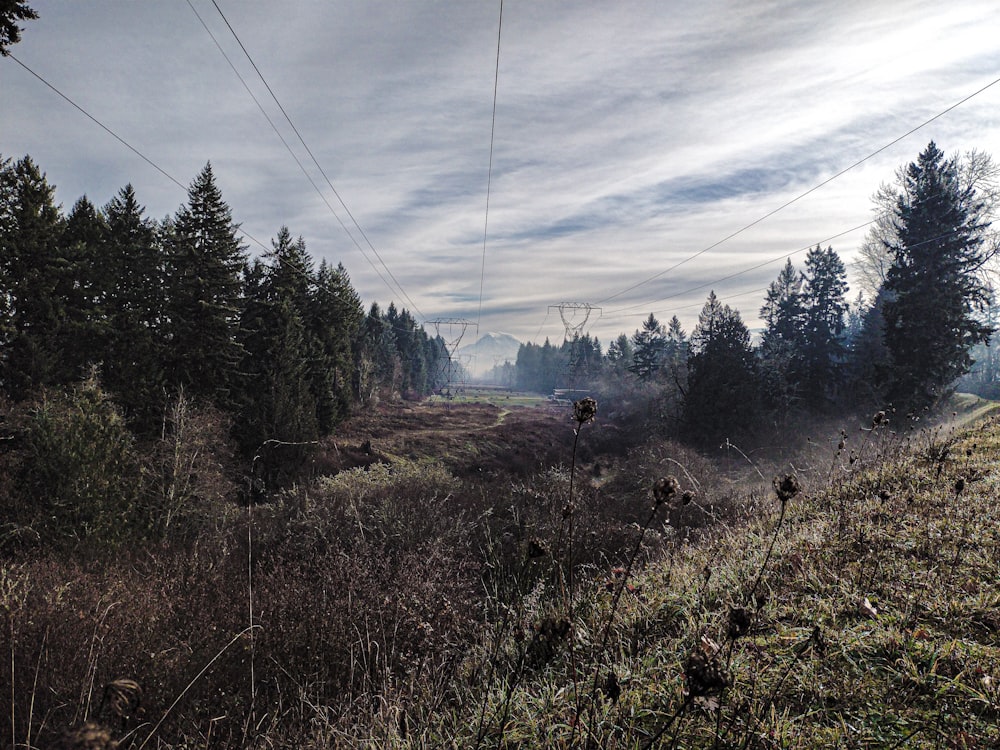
(76, 469)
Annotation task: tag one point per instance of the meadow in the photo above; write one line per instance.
(480, 576)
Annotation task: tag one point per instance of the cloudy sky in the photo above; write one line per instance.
(630, 137)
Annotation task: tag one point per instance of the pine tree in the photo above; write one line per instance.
(824, 309)
(278, 403)
(934, 292)
(647, 353)
(12, 11)
(134, 306)
(82, 286)
(723, 391)
(781, 346)
(620, 354)
(205, 262)
(31, 270)
(334, 318)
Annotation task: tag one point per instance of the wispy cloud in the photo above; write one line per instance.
(629, 136)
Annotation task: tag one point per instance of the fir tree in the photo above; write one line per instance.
(723, 393)
(934, 292)
(12, 11)
(824, 309)
(205, 262)
(334, 318)
(278, 403)
(82, 285)
(31, 267)
(134, 305)
(647, 352)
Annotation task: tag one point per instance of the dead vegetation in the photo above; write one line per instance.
(627, 598)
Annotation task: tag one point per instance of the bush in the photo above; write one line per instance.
(77, 474)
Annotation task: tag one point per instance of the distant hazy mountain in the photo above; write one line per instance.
(491, 350)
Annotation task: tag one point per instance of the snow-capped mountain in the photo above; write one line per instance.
(491, 350)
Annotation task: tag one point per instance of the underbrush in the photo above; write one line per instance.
(650, 600)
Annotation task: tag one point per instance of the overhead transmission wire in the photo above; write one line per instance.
(928, 241)
(121, 140)
(489, 174)
(619, 311)
(284, 142)
(799, 197)
(291, 124)
(148, 160)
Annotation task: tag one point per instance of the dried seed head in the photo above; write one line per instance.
(739, 622)
(611, 689)
(536, 549)
(688, 497)
(786, 487)
(90, 736)
(704, 675)
(585, 410)
(879, 419)
(665, 488)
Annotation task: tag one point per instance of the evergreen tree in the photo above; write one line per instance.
(82, 285)
(869, 365)
(824, 308)
(676, 353)
(647, 353)
(723, 392)
(620, 354)
(377, 361)
(278, 403)
(12, 11)
(935, 294)
(334, 319)
(134, 306)
(205, 263)
(31, 270)
(781, 346)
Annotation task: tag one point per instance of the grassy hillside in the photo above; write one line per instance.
(873, 622)
(644, 601)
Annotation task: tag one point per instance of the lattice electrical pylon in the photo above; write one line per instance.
(451, 331)
(574, 317)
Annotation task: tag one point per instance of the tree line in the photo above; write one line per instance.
(280, 345)
(926, 262)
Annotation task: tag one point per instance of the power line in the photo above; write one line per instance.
(802, 195)
(731, 276)
(314, 160)
(937, 238)
(121, 140)
(489, 175)
(291, 152)
(100, 124)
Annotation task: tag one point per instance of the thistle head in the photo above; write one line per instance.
(786, 487)
(665, 489)
(585, 410)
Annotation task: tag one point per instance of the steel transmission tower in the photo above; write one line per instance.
(574, 317)
(451, 331)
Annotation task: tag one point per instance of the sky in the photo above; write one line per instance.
(637, 156)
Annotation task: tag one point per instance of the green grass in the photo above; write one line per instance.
(497, 397)
(877, 624)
